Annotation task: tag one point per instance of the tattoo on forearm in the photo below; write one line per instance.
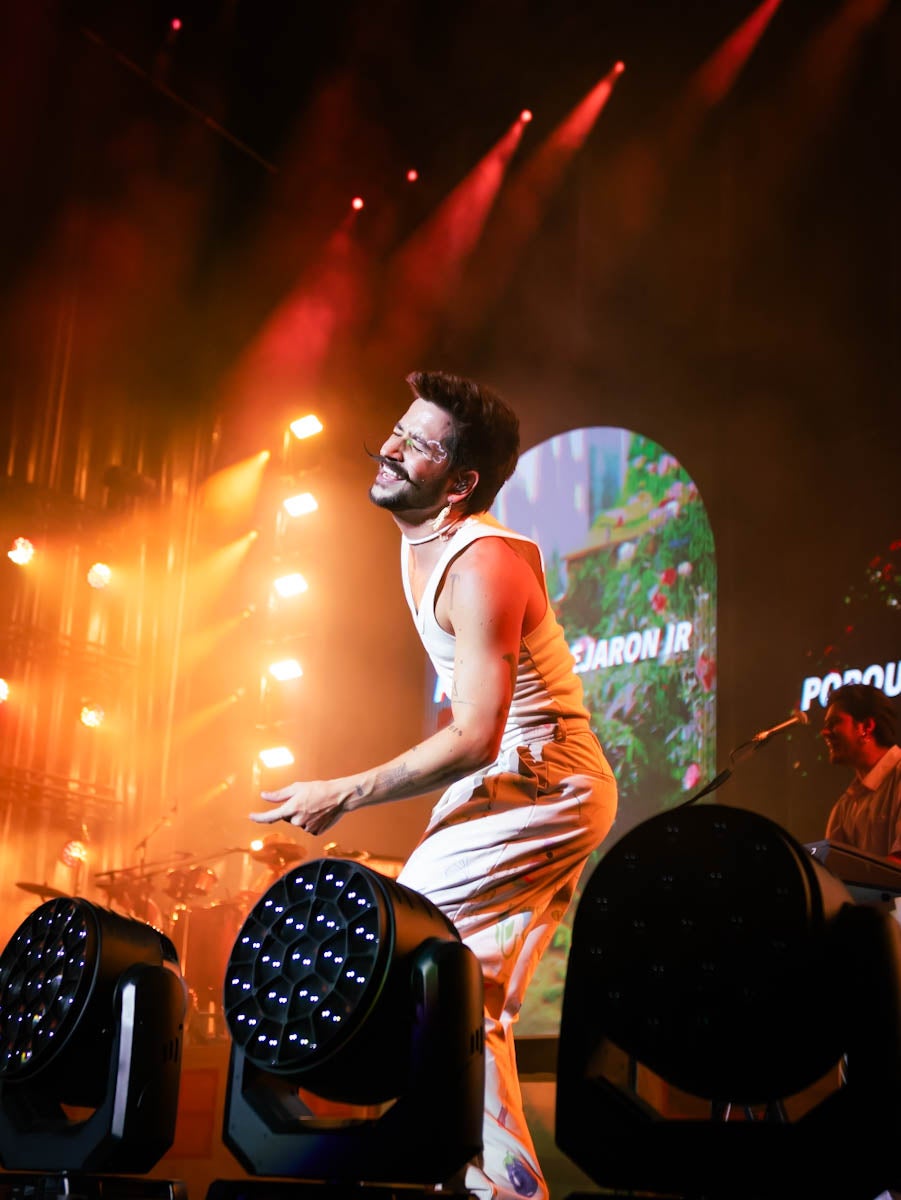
(398, 776)
(456, 698)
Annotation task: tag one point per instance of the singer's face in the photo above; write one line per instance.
(413, 472)
(843, 736)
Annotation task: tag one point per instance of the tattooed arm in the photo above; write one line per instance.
(488, 597)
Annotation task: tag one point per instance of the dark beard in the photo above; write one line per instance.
(408, 498)
(396, 502)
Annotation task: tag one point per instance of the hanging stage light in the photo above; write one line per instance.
(347, 987)
(710, 950)
(290, 585)
(276, 756)
(300, 505)
(306, 426)
(21, 552)
(92, 1006)
(92, 715)
(99, 575)
(286, 669)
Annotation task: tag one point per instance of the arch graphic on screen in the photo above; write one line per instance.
(631, 569)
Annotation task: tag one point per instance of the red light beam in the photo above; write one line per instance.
(293, 348)
(427, 269)
(525, 201)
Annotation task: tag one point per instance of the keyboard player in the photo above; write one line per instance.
(860, 731)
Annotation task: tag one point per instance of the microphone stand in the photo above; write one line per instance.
(739, 754)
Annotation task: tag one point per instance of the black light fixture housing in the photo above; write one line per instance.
(92, 1008)
(710, 949)
(348, 987)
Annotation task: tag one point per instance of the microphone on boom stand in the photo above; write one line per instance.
(758, 740)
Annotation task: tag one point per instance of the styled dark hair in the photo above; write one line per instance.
(863, 700)
(485, 436)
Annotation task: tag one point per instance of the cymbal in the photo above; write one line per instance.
(384, 866)
(275, 853)
(44, 890)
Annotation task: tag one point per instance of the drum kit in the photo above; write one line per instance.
(176, 896)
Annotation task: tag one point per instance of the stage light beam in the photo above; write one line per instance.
(428, 268)
(233, 490)
(719, 73)
(523, 204)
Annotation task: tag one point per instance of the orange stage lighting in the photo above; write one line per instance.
(286, 669)
(4, 691)
(276, 756)
(201, 643)
(290, 585)
(305, 427)
(99, 575)
(73, 853)
(300, 505)
(92, 715)
(195, 722)
(234, 489)
(226, 558)
(21, 552)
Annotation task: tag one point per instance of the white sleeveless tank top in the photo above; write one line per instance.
(546, 688)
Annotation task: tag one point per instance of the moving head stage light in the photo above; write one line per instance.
(345, 986)
(92, 1007)
(711, 950)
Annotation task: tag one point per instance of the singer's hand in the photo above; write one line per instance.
(313, 807)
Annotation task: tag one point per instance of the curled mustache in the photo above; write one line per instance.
(387, 462)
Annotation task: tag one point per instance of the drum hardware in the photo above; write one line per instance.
(186, 883)
(204, 938)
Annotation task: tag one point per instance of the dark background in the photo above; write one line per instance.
(737, 300)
